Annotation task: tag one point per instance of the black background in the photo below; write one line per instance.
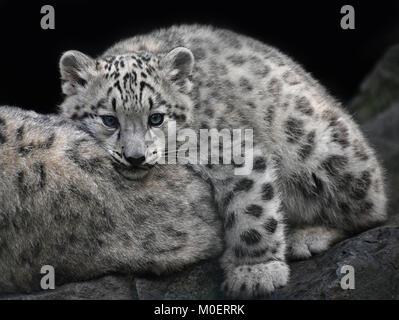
(307, 30)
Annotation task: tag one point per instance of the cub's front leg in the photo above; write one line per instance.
(254, 259)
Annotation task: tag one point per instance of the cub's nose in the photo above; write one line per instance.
(136, 160)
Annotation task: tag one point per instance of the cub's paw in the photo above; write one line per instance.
(304, 243)
(250, 281)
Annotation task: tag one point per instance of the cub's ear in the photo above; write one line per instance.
(76, 70)
(178, 66)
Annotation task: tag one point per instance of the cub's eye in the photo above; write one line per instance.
(156, 119)
(110, 121)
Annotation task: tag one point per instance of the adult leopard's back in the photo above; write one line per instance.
(62, 204)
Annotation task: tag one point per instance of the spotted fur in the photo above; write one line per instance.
(313, 166)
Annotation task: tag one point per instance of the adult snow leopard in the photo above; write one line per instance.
(63, 204)
(313, 170)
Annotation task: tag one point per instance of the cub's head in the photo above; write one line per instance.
(128, 101)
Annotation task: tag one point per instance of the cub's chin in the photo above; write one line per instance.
(133, 173)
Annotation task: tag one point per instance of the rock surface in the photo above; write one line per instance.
(383, 133)
(380, 88)
(374, 255)
(199, 282)
(105, 288)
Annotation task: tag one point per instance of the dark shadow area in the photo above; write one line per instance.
(309, 31)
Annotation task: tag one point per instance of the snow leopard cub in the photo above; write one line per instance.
(313, 171)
